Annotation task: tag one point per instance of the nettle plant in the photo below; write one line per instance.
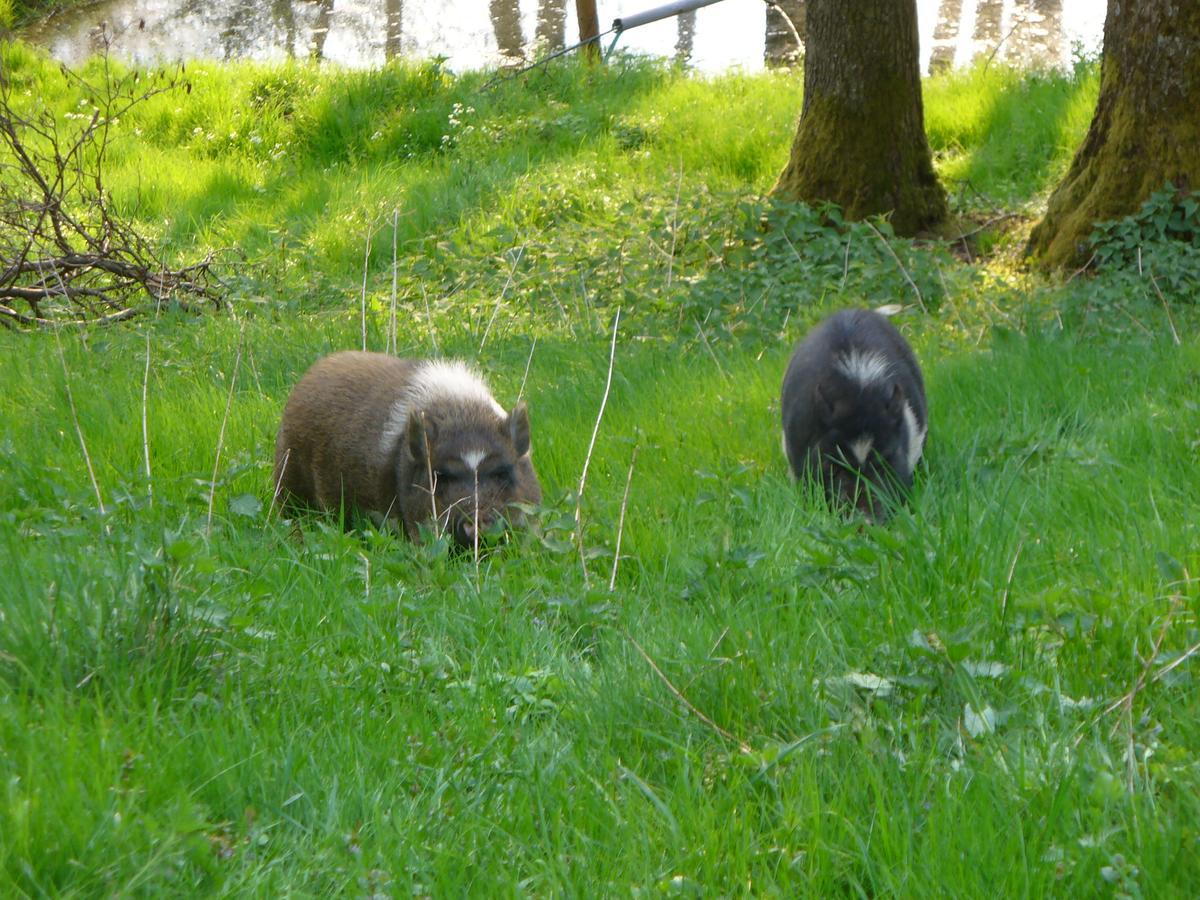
(1161, 241)
(789, 257)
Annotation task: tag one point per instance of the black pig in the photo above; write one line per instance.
(854, 412)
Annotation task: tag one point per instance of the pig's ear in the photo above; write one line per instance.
(422, 432)
(826, 402)
(518, 428)
(896, 400)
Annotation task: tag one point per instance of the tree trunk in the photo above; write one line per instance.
(506, 22)
(320, 29)
(1145, 132)
(685, 36)
(551, 33)
(392, 41)
(861, 138)
(945, 36)
(589, 27)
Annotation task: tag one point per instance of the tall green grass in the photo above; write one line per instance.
(1005, 136)
(16, 12)
(266, 707)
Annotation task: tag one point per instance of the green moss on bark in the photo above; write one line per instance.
(861, 141)
(1146, 130)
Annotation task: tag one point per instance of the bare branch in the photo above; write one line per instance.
(56, 213)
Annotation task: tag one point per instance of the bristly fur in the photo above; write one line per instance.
(854, 413)
(863, 366)
(916, 436)
(411, 442)
(433, 381)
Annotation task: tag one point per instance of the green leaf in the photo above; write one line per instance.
(246, 505)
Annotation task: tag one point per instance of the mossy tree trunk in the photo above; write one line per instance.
(861, 138)
(1145, 132)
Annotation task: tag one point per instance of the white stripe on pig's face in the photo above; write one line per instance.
(865, 368)
(861, 448)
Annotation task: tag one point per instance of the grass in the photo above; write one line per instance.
(18, 12)
(267, 707)
(1007, 133)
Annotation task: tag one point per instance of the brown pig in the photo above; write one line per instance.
(407, 441)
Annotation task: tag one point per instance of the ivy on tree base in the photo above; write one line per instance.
(1146, 129)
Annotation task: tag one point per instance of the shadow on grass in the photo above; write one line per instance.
(1015, 132)
(409, 139)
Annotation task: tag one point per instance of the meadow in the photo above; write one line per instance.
(991, 695)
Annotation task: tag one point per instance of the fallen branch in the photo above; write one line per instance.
(66, 256)
(995, 220)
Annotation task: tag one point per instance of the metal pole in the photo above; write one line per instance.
(624, 23)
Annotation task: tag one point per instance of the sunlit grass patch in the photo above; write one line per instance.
(1000, 134)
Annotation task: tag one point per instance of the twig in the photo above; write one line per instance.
(7, 312)
(612, 355)
(429, 321)
(999, 44)
(1128, 697)
(1177, 662)
(711, 352)
(787, 20)
(437, 522)
(787, 240)
(145, 426)
(475, 524)
(528, 363)
(953, 306)
(496, 310)
(55, 215)
(612, 580)
(985, 226)
(846, 260)
(87, 457)
(366, 262)
(287, 455)
(391, 341)
(1081, 269)
(1144, 677)
(691, 707)
(1012, 568)
(903, 271)
(212, 490)
(1166, 308)
(1134, 319)
(674, 224)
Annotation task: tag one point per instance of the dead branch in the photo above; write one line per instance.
(66, 256)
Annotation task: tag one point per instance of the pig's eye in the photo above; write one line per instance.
(504, 475)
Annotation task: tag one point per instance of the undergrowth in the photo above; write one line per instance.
(993, 694)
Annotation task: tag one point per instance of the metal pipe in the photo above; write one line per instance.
(624, 23)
